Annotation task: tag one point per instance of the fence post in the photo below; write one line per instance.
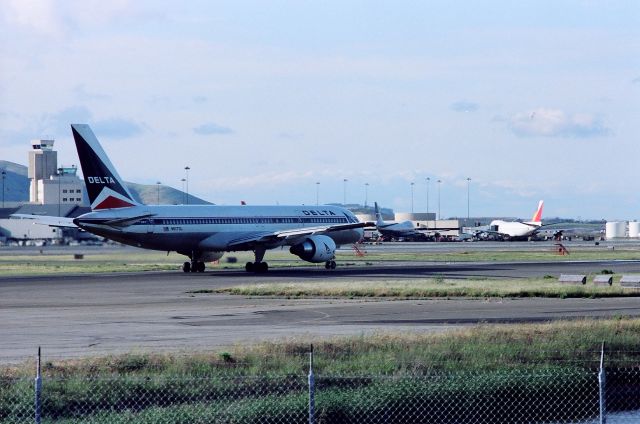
(38, 388)
(312, 390)
(602, 387)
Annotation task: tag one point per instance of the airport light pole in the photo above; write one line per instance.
(412, 184)
(186, 170)
(183, 180)
(4, 175)
(468, 182)
(59, 181)
(439, 182)
(366, 194)
(344, 192)
(158, 184)
(317, 193)
(428, 179)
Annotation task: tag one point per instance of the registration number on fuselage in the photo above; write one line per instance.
(168, 229)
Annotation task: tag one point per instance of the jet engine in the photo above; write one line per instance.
(315, 249)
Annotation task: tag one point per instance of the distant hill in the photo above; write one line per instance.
(16, 183)
(148, 194)
(17, 189)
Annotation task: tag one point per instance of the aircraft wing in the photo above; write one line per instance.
(276, 238)
(286, 234)
(52, 221)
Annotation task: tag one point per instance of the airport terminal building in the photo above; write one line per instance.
(53, 191)
(48, 183)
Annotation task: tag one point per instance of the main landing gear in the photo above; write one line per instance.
(258, 266)
(195, 266)
(330, 264)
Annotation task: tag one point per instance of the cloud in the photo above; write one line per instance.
(51, 18)
(556, 123)
(462, 106)
(70, 115)
(117, 128)
(635, 80)
(200, 99)
(38, 16)
(211, 129)
(57, 124)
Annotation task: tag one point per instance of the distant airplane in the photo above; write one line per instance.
(404, 229)
(206, 232)
(512, 230)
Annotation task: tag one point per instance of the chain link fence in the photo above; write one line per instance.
(553, 395)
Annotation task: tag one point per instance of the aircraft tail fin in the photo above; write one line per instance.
(105, 188)
(379, 220)
(537, 217)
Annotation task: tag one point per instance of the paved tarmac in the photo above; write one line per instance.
(79, 315)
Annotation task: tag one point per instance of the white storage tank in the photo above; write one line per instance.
(634, 229)
(615, 229)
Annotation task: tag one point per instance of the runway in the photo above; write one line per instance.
(80, 315)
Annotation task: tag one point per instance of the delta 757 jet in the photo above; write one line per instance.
(205, 232)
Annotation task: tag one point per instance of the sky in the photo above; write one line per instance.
(263, 100)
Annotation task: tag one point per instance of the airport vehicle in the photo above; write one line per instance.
(206, 232)
(397, 230)
(512, 230)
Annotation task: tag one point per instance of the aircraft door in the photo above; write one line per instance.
(150, 225)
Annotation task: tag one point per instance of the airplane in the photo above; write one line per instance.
(404, 229)
(512, 230)
(206, 232)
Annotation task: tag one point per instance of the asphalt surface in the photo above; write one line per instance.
(79, 315)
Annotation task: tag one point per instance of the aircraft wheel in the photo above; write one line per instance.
(186, 267)
(200, 267)
(330, 265)
(262, 267)
(249, 267)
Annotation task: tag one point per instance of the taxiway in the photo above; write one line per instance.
(97, 314)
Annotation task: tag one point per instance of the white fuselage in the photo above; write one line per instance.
(211, 228)
(514, 229)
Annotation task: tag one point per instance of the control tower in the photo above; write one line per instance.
(43, 164)
(50, 184)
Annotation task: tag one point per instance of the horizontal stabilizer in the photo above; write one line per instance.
(51, 221)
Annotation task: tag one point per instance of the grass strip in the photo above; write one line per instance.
(126, 260)
(480, 347)
(437, 287)
(395, 376)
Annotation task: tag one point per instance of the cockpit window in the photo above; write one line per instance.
(351, 218)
